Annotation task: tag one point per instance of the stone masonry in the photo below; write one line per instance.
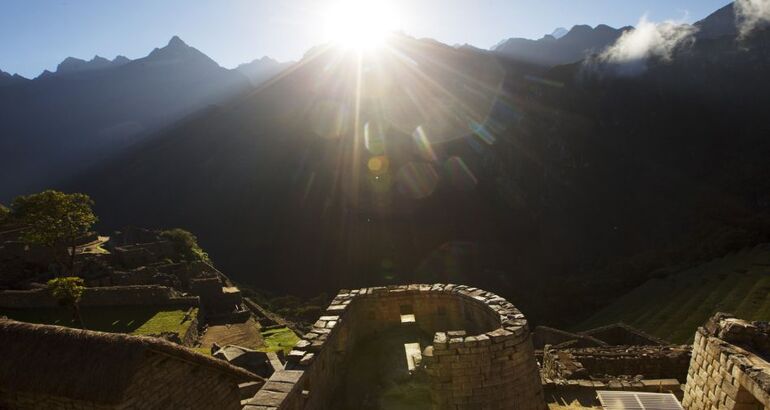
(52, 367)
(481, 356)
(728, 370)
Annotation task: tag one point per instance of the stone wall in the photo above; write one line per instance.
(652, 362)
(103, 296)
(481, 357)
(141, 254)
(728, 369)
(27, 400)
(544, 335)
(166, 384)
(215, 298)
(104, 370)
(161, 382)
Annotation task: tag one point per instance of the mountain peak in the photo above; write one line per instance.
(718, 24)
(559, 32)
(121, 60)
(561, 47)
(74, 65)
(176, 42)
(10, 79)
(261, 69)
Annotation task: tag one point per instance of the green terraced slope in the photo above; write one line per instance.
(673, 307)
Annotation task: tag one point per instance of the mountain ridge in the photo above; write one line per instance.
(568, 176)
(86, 122)
(574, 45)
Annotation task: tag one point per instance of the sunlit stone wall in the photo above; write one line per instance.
(481, 357)
(729, 368)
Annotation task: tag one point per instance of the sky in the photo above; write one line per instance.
(38, 34)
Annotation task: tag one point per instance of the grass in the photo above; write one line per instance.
(673, 307)
(279, 339)
(136, 320)
(206, 351)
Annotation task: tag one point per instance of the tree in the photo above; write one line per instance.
(67, 292)
(186, 244)
(4, 213)
(54, 219)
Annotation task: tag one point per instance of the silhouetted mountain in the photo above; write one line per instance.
(262, 69)
(8, 79)
(557, 188)
(559, 33)
(572, 46)
(60, 122)
(75, 65)
(719, 24)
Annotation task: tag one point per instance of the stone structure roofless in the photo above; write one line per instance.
(481, 356)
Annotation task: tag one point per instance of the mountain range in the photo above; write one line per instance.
(63, 121)
(562, 47)
(570, 46)
(558, 186)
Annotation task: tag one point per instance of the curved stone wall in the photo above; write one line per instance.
(481, 356)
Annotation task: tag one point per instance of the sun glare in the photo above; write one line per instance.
(359, 24)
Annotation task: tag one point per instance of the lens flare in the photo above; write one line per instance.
(424, 146)
(378, 165)
(417, 180)
(459, 174)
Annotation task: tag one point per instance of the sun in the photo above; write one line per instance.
(359, 24)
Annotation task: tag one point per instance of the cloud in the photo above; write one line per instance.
(751, 15)
(635, 47)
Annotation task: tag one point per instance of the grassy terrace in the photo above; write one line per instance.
(673, 307)
(136, 320)
(278, 339)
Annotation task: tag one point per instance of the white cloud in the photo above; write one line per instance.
(751, 14)
(647, 40)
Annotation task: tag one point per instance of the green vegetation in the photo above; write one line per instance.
(4, 213)
(67, 291)
(55, 219)
(186, 244)
(137, 320)
(166, 321)
(206, 351)
(279, 339)
(672, 307)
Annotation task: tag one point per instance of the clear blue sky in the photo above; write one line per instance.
(38, 34)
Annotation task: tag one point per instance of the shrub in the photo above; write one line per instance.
(186, 244)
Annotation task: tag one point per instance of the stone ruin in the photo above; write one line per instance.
(606, 367)
(729, 368)
(613, 357)
(53, 367)
(481, 354)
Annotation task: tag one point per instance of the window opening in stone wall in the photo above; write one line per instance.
(441, 311)
(407, 315)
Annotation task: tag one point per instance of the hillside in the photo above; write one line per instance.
(61, 122)
(674, 305)
(493, 173)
